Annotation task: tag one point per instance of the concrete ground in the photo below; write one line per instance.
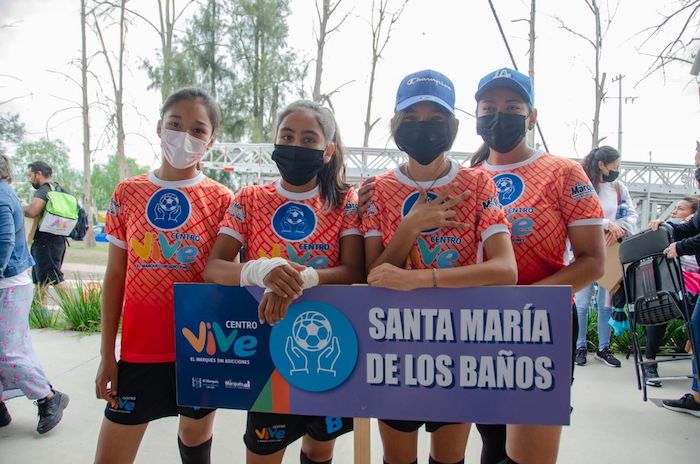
(610, 423)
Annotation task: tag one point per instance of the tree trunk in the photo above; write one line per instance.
(599, 80)
(531, 62)
(212, 49)
(87, 196)
(368, 116)
(320, 44)
(119, 97)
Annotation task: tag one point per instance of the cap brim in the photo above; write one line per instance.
(421, 98)
(507, 83)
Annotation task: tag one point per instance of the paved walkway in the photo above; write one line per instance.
(610, 423)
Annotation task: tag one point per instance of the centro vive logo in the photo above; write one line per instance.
(213, 338)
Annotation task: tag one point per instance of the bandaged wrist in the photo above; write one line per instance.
(254, 272)
(310, 276)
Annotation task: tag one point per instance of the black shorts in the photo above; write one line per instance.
(412, 426)
(146, 392)
(48, 258)
(268, 433)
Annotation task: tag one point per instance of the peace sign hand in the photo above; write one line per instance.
(436, 213)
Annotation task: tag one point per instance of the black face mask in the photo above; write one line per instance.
(501, 131)
(298, 165)
(423, 140)
(36, 186)
(611, 176)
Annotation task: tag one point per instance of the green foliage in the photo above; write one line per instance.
(11, 130)
(674, 339)
(105, 177)
(40, 317)
(53, 152)
(237, 50)
(81, 306)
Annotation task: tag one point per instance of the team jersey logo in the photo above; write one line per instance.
(294, 221)
(320, 347)
(408, 205)
(510, 188)
(581, 190)
(168, 209)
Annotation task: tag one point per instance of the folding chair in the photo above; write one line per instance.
(655, 293)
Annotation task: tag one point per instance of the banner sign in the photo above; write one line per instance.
(487, 354)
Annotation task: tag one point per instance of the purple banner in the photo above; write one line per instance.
(488, 355)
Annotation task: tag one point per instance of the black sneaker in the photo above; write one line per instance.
(686, 404)
(607, 357)
(581, 357)
(651, 372)
(51, 411)
(5, 417)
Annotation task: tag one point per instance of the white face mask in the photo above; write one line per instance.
(180, 149)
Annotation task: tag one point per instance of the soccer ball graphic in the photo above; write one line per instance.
(295, 216)
(312, 331)
(169, 202)
(504, 185)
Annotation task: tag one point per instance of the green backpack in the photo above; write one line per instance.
(61, 213)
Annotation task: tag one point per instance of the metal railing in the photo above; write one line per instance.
(655, 187)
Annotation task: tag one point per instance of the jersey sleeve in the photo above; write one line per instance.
(116, 222)
(492, 217)
(237, 220)
(351, 219)
(578, 201)
(371, 218)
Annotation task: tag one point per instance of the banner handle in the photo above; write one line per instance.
(362, 442)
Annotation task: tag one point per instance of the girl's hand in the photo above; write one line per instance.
(106, 379)
(365, 195)
(436, 213)
(613, 234)
(285, 281)
(389, 276)
(272, 308)
(654, 225)
(671, 251)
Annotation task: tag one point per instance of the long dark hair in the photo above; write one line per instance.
(331, 179)
(480, 155)
(606, 154)
(199, 95)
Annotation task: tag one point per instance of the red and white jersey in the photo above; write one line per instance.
(168, 230)
(542, 197)
(273, 222)
(394, 196)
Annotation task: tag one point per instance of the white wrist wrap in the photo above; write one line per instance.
(254, 272)
(310, 277)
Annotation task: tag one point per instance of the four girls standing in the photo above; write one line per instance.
(163, 229)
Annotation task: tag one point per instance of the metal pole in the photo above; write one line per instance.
(618, 79)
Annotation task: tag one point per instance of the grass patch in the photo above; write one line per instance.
(81, 305)
(79, 254)
(40, 317)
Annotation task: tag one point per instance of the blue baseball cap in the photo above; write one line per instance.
(508, 78)
(426, 85)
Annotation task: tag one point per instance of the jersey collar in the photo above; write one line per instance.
(294, 195)
(176, 183)
(440, 182)
(508, 167)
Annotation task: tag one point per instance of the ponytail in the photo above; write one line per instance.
(606, 154)
(481, 155)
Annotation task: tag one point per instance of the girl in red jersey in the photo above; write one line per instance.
(161, 227)
(410, 213)
(547, 199)
(298, 232)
